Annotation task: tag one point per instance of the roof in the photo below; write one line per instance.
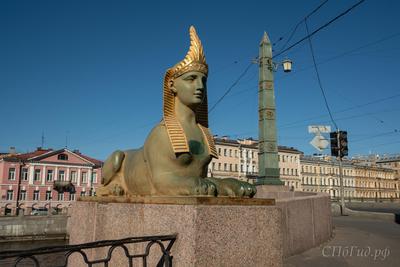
(42, 153)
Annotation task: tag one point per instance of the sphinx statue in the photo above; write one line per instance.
(174, 158)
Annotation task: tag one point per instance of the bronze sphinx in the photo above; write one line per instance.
(175, 155)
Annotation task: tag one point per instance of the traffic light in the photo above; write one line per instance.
(343, 144)
(334, 144)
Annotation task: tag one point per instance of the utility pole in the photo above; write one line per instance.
(342, 203)
(268, 148)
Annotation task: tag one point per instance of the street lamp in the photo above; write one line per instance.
(287, 65)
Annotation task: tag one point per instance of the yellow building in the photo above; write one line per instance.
(373, 182)
(239, 159)
(321, 174)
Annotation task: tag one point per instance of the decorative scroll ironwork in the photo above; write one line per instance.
(165, 243)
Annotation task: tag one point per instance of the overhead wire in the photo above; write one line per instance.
(230, 87)
(300, 22)
(318, 77)
(319, 29)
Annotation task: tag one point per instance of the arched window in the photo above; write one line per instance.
(62, 157)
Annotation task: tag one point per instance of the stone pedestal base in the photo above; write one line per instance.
(211, 231)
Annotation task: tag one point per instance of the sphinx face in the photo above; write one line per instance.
(190, 88)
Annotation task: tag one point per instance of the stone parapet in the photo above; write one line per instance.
(306, 219)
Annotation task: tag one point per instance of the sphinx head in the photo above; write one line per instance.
(186, 82)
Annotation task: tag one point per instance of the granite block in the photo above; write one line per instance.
(208, 235)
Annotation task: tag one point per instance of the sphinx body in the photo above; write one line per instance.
(175, 156)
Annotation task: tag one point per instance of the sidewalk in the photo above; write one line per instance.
(356, 242)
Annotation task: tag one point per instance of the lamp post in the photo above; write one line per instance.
(268, 147)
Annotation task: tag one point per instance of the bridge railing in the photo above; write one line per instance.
(22, 257)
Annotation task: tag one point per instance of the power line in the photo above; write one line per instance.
(301, 21)
(230, 87)
(346, 109)
(349, 52)
(320, 28)
(344, 118)
(318, 77)
(298, 24)
(375, 136)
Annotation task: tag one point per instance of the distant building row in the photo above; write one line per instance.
(362, 178)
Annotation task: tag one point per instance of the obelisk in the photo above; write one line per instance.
(268, 147)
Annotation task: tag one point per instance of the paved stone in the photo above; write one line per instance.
(356, 242)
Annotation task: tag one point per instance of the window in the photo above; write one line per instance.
(60, 197)
(11, 174)
(84, 177)
(61, 175)
(49, 176)
(219, 166)
(230, 152)
(22, 195)
(225, 152)
(241, 167)
(73, 176)
(94, 177)
(10, 195)
(230, 167)
(236, 154)
(24, 174)
(225, 167)
(48, 195)
(36, 177)
(219, 151)
(36, 195)
(213, 165)
(71, 197)
(62, 157)
(236, 167)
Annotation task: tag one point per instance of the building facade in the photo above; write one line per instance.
(239, 159)
(27, 180)
(362, 179)
(321, 174)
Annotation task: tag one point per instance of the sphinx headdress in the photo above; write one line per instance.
(194, 61)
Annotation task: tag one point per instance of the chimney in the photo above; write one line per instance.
(13, 150)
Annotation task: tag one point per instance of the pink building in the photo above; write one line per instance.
(33, 175)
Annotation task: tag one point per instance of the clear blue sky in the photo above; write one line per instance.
(93, 70)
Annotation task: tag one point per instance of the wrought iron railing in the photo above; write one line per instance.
(22, 257)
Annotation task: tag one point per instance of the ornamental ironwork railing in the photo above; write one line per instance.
(32, 257)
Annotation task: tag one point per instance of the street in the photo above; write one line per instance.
(356, 242)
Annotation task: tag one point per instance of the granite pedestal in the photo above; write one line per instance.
(211, 231)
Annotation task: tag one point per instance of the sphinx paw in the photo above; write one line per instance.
(205, 188)
(117, 190)
(242, 189)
